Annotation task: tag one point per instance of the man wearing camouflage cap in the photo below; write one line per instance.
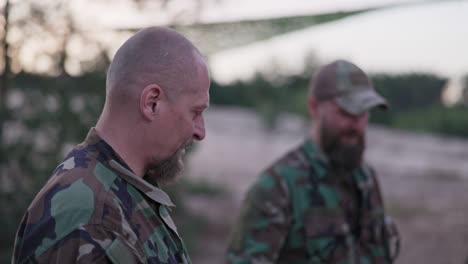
(320, 203)
(103, 203)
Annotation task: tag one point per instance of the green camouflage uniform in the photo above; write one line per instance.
(302, 211)
(95, 210)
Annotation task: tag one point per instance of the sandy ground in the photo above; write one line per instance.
(424, 180)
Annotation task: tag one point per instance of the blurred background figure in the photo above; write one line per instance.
(321, 201)
(261, 53)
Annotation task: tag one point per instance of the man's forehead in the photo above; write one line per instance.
(201, 99)
(198, 98)
(205, 101)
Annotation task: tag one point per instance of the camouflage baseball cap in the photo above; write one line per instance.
(348, 85)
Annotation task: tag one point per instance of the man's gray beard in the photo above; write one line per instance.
(166, 171)
(342, 155)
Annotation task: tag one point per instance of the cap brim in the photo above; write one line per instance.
(358, 102)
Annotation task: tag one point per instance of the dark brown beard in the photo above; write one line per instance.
(340, 154)
(165, 171)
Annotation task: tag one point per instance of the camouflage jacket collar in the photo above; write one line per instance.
(153, 192)
(111, 159)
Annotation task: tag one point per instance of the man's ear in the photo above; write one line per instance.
(150, 100)
(312, 106)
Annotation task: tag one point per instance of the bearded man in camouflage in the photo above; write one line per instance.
(320, 203)
(103, 203)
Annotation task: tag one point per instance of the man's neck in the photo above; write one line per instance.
(120, 139)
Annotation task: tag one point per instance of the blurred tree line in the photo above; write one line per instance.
(45, 111)
(416, 104)
(415, 100)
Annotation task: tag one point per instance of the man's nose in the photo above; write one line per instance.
(199, 132)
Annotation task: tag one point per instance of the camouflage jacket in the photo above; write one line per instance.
(300, 210)
(95, 210)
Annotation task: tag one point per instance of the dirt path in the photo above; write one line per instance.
(424, 180)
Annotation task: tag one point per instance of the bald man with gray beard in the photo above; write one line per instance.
(103, 203)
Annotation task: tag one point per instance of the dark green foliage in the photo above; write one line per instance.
(266, 97)
(410, 91)
(50, 113)
(407, 92)
(450, 121)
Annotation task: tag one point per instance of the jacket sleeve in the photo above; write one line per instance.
(262, 227)
(86, 244)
